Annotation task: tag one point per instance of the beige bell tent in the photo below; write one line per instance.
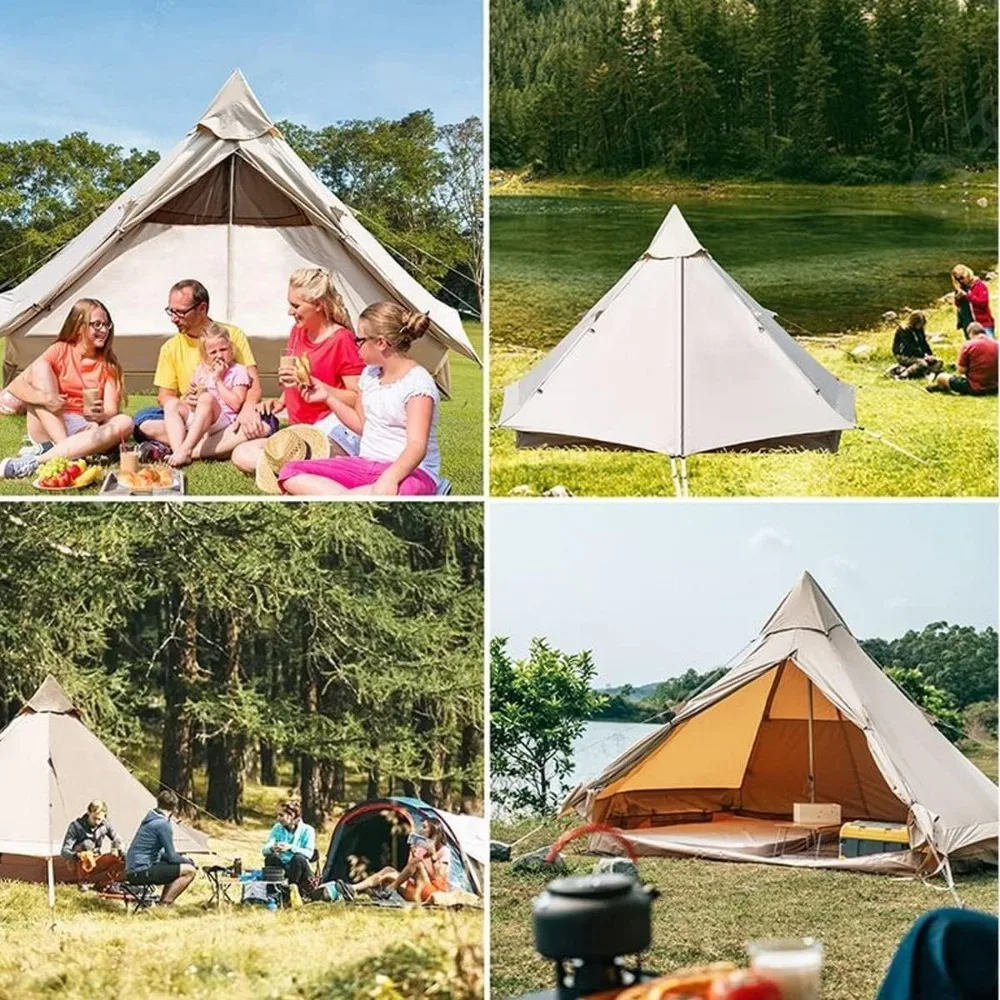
(51, 767)
(677, 358)
(233, 206)
(804, 716)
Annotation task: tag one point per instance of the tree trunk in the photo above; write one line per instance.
(468, 755)
(309, 772)
(226, 752)
(268, 773)
(180, 678)
(339, 789)
(373, 781)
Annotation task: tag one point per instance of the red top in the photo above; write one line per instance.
(75, 373)
(979, 299)
(979, 359)
(331, 360)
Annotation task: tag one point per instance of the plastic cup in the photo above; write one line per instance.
(794, 964)
(90, 398)
(128, 458)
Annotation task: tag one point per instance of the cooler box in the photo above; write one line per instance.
(867, 837)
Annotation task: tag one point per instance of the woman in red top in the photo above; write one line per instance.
(977, 293)
(73, 393)
(322, 334)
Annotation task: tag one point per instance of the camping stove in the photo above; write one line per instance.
(585, 924)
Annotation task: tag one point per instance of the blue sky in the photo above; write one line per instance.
(655, 588)
(140, 74)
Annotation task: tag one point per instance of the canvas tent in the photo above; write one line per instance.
(51, 767)
(677, 358)
(805, 715)
(233, 206)
(373, 834)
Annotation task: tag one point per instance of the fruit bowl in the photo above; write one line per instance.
(60, 489)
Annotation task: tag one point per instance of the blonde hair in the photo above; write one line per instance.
(214, 331)
(98, 805)
(79, 316)
(399, 327)
(961, 271)
(316, 286)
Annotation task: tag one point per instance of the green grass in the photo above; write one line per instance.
(460, 431)
(708, 910)
(319, 950)
(956, 437)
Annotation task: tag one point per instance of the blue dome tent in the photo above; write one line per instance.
(373, 835)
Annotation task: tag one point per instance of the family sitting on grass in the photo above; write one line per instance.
(362, 414)
(976, 368)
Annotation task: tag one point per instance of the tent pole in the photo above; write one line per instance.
(684, 477)
(229, 241)
(52, 886)
(812, 767)
(674, 476)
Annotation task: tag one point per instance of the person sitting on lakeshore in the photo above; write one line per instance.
(83, 848)
(395, 414)
(913, 354)
(425, 873)
(974, 292)
(977, 367)
(152, 858)
(73, 394)
(179, 358)
(221, 386)
(291, 845)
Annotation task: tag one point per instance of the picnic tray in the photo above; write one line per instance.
(113, 488)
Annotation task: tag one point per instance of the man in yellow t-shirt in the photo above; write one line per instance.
(180, 356)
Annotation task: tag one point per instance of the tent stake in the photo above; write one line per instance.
(882, 440)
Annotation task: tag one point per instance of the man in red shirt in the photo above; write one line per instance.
(977, 367)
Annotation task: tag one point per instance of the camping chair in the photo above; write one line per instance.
(138, 897)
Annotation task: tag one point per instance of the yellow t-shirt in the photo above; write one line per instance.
(180, 356)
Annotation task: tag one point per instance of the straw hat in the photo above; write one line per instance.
(290, 444)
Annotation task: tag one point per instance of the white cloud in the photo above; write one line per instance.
(840, 564)
(769, 538)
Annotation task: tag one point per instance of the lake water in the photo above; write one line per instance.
(823, 266)
(597, 746)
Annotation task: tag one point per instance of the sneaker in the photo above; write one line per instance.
(346, 890)
(153, 451)
(34, 449)
(18, 468)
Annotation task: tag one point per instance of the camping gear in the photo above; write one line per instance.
(805, 714)
(290, 444)
(865, 837)
(816, 813)
(52, 765)
(373, 834)
(235, 207)
(677, 358)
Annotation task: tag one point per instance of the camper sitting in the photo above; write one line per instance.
(83, 848)
(152, 859)
(425, 873)
(291, 845)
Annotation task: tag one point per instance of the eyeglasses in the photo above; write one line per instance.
(179, 312)
(99, 324)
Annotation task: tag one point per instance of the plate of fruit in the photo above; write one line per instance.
(59, 474)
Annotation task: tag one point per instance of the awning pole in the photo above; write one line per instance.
(52, 887)
(229, 241)
(812, 765)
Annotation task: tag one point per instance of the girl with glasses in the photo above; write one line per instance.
(73, 394)
(395, 415)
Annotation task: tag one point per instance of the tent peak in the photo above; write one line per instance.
(674, 238)
(235, 113)
(50, 697)
(805, 606)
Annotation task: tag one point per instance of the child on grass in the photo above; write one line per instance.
(218, 390)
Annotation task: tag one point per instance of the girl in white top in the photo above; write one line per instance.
(395, 414)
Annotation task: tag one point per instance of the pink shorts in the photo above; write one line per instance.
(352, 472)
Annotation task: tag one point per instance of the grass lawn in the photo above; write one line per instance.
(708, 910)
(956, 437)
(460, 431)
(319, 950)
